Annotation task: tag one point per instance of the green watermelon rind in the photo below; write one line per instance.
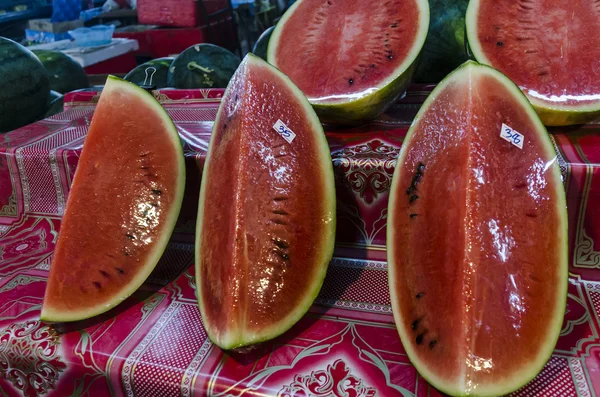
(138, 74)
(180, 77)
(550, 115)
(524, 376)
(240, 340)
(65, 73)
(368, 106)
(160, 244)
(262, 44)
(25, 101)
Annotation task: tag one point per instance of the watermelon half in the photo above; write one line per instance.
(550, 49)
(477, 238)
(122, 207)
(351, 58)
(266, 219)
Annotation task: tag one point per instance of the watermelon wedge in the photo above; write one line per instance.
(266, 219)
(550, 49)
(351, 58)
(122, 207)
(477, 237)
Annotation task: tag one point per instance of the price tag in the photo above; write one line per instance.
(284, 131)
(512, 136)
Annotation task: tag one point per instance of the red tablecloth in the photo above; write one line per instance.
(154, 344)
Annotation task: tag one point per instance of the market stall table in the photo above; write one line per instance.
(116, 57)
(154, 344)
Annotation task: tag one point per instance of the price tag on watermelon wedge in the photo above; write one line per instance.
(284, 131)
(512, 136)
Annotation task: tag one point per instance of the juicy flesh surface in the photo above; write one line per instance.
(477, 267)
(339, 48)
(265, 212)
(124, 184)
(550, 48)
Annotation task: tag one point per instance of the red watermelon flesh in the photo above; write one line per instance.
(122, 206)
(551, 49)
(266, 220)
(351, 58)
(477, 238)
(321, 55)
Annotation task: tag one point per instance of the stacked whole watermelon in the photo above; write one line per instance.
(153, 73)
(64, 72)
(24, 86)
(203, 66)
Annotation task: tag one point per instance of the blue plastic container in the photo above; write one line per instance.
(94, 36)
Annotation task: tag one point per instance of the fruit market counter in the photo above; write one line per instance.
(154, 343)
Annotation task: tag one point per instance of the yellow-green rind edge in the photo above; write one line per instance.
(112, 82)
(502, 387)
(242, 339)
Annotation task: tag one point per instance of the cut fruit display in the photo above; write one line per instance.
(351, 58)
(550, 49)
(266, 218)
(122, 206)
(477, 237)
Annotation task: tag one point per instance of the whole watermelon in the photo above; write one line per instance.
(444, 48)
(55, 104)
(24, 86)
(260, 48)
(65, 73)
(203, 66)
(152, 73)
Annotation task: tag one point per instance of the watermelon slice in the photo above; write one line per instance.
(266, 219)
(477, 237)
(351, 58)
(122, 207)
(550, 49)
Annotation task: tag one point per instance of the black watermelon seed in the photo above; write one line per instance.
(500, 43)
(432, 344)
(413, 198)
(419, 339)
(420, 295)
(158, 192)
(420, 167)
(415, 324)
(97, 284)
(120, 270)
(372, 65)
(410, 189)
(351, 81)
(413, 215)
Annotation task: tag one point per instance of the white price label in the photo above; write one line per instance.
(284, 131)
(512, 136)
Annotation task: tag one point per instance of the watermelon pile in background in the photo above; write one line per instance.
(33, 84)
(199, 66)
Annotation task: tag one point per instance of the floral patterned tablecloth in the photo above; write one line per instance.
(347, 345)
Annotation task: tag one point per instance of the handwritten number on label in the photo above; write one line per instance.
(512, 136)
(284, 131)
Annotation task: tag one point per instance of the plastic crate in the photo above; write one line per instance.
(180, 13)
